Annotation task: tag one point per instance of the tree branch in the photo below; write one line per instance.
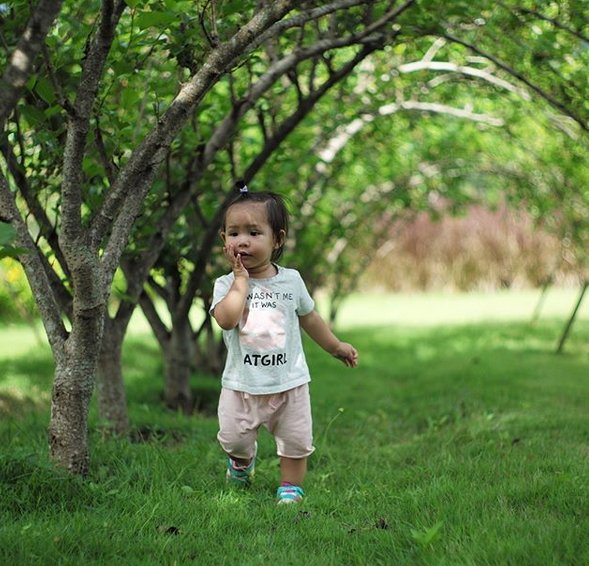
(204, 252)
(306, 16)
(162, 334)
(23, 57)
(222, 135)
(78, 124)
(61, 97)
(47, 230)
(440, 109)
(554, 22)
(109, 167)
(159, 290)
(135, 179)
(468, 71)
(542, 93)
(31, 261)
(304, 107)
(224, 130)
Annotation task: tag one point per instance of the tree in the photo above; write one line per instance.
(90, 248)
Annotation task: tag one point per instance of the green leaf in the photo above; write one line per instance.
(130, 96)
(155, 19)
(187, 490)
(7, 234)
(232, 7)
(12, 252)
(123, 67)
(427, 536)
(32, 115)
(52, 111)
(44, 89)
(91, 168)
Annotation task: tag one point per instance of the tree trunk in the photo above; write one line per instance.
(545, 286)
(569, 324)
(209, 350)
(178, 356)
(72, 390)
(110, 388)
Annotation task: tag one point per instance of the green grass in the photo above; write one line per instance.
(450, 444)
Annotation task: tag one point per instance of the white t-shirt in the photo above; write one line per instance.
(264, 351)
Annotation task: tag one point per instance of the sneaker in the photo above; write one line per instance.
(239, 475)
(289, 494)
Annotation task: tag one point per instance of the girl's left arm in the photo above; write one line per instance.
(320, 332)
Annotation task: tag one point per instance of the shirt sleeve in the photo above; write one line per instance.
(305, 304)
(220, 289)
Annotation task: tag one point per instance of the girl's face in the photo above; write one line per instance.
(248, 233)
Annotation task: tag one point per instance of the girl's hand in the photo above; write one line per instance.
(347, 354)
(235, 260)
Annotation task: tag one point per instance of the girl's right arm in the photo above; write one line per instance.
(229, 309)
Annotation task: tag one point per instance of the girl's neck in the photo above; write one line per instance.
(265, 272)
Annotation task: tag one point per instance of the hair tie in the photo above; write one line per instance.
(242, 187)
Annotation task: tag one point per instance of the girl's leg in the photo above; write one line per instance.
(292, 427)
(292, 474)
(239, 462)
(237, 430)
(293, 470)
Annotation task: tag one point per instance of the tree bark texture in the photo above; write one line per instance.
(110, 388)
(72, 391)
(178, 357)
(22, 58)
(209, 350)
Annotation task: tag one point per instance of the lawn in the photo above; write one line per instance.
(461, 439)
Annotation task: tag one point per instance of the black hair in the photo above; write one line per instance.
(276, 211)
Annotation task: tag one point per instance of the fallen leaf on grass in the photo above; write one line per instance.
(427, 536)
(187, 490)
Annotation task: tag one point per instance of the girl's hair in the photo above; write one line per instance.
(276, 211)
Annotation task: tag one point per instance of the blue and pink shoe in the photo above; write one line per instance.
(289, 494)
(241, 476)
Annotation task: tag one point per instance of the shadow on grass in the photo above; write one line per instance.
(440, 359)
(144, 378)
(31, 483)
(422, 379)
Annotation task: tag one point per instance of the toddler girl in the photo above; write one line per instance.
(261, 306)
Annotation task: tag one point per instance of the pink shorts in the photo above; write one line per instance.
(286, 415)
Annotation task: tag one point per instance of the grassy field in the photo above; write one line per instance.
(461, 439)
